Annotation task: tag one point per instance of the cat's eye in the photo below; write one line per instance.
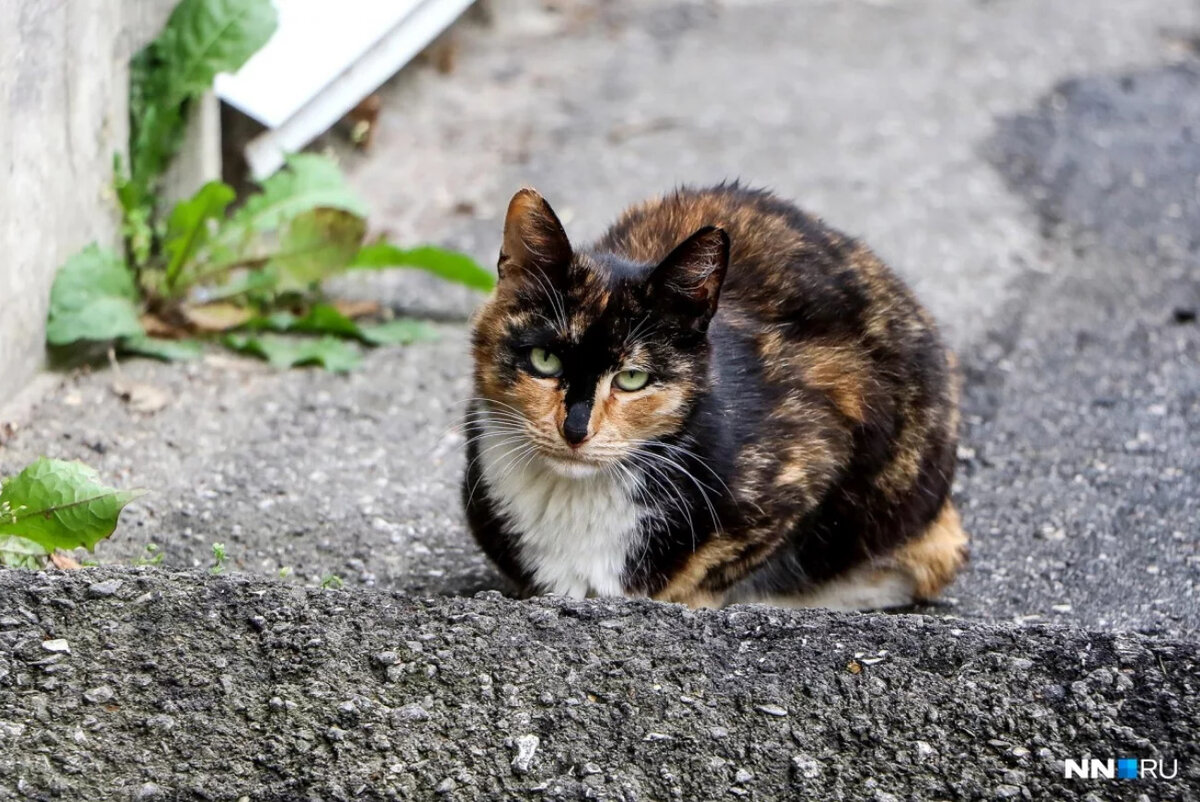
(544, 362)
(630, 380)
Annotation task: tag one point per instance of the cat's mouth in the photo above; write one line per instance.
(571, 467)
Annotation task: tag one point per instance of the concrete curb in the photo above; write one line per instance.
(138, 683)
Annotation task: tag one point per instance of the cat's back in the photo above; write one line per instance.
(784, 263)
(759, 224)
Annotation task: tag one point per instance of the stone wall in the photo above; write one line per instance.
(63, 113)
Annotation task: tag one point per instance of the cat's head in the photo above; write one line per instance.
(589, 356)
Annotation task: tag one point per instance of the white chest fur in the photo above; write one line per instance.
(574, 534)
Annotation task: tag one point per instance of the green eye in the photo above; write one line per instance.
(544, 362)
(630, 380)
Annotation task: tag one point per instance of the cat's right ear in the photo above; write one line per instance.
(535, 243)
(689, 280)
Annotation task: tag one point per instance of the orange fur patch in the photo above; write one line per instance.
(841, 371)
(684, 587)
(934, 557)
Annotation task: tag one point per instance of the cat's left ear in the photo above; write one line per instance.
(534, 240)
(689, 279)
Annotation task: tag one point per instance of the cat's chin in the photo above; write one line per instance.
(570, 468)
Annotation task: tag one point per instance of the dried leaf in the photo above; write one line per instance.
(357, 309)
(144, 398)
(64, 561)
(155, 326)
(217, 317)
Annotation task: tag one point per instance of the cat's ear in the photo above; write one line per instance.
(689, 279)
(535, 243)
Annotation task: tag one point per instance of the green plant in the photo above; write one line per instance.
(332, 582)
(250, 279)
(54, 504)
(153, 556)
(218, 552)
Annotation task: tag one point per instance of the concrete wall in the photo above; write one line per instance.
(63, 113)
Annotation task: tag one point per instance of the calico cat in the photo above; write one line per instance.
(723, 400)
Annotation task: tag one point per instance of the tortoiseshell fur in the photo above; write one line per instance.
(796, 443)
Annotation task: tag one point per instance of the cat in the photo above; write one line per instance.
(721, 401)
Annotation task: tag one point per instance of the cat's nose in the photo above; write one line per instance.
(575, 427)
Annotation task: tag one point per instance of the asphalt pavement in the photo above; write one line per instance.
(1032, 169)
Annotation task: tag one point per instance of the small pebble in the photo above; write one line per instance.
(741, 777)
(98, 695)
(108, 587)
(773, 710)
(58, 645)
(160, 723)
(413, 712)
(807, 767)
(527, 746)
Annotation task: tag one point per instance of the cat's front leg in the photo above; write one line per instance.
(693, 584)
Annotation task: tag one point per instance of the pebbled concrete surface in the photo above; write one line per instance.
(245, 687)
(1032, 168)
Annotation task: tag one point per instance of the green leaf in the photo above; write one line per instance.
(60, 505)
(206, 37)
(156, 130)
(321, 319)
(326, 319)
(18, 552)
(201, 38)
(166, 350)
(188, 226)
(248, 282)
(316, 245)
(93, 298)
(284, 352)
(401, 331)
(450, 265)
(136, 211)
(307, 182)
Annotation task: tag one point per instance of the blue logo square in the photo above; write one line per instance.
(1127, 768)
